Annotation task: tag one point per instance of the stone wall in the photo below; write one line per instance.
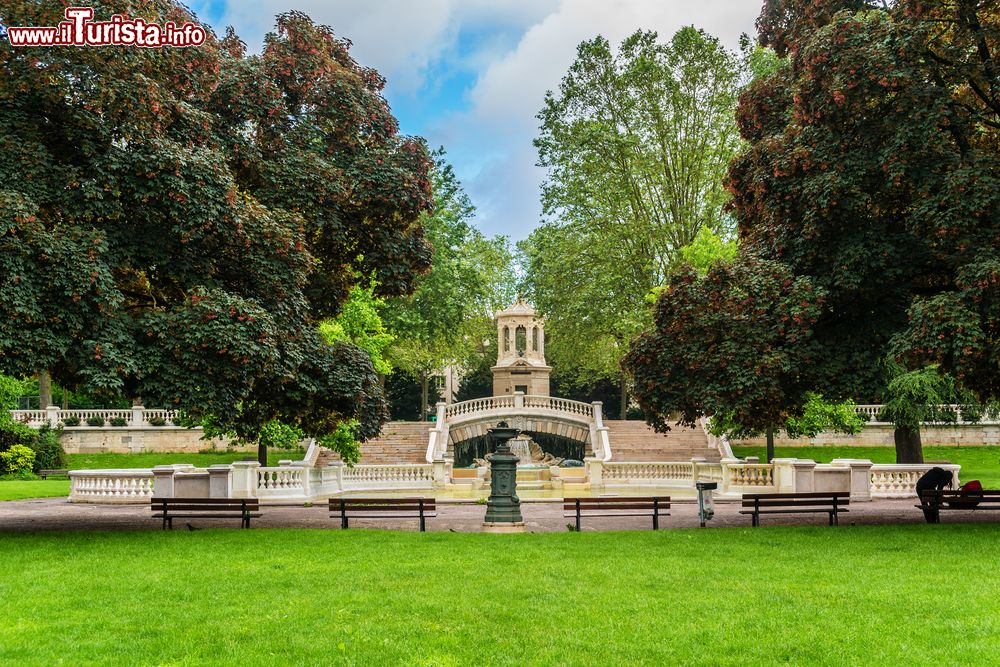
(880, 435)
(125, 440)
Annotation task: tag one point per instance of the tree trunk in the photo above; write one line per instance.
(770, 444)
(424, 394)
(623, 412)
(908, 445)
(262, 454)
(44, 390)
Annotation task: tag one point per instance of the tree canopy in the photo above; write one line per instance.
(448, 320)
(871, 171)
(175, 223)
(636, 143)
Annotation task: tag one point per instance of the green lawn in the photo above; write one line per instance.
(151, 459)
(18, 490)
(35, 488)
(982, 463)
(882, 595)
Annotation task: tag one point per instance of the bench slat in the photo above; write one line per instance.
(795, 503)
(618, 506)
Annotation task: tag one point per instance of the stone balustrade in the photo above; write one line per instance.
(404, 476)
(135, 417)
(899, 480)
(871, 414)
(616, 473)
(479, 405)
(111, 486)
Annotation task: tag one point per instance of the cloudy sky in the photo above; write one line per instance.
(471, 75)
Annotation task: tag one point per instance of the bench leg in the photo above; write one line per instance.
(755, 520)
(578, 515)
(423, 523)
(656, 520)
(170, 523)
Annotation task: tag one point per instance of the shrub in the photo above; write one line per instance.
(17, 462)
(177, 421)
(71, 421)
(48, 449)
(95, 420)
(13, 432)
(119, 421)
(157, 421)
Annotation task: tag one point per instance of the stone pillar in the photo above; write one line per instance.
(163, 481)
(595, 472)
(518, 399)
(861, 477)
(244, 479)
(220, 480)
(52, 415)
(696, 463)
(138, 416)
(794, 475)
(441, 474)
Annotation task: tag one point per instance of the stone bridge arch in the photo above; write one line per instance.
(573, 420)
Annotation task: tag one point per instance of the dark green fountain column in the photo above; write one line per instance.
(503, 509)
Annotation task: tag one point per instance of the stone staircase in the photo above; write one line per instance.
(637, 441)
(400, 442)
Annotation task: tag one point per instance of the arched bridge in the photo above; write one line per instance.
(578, 421)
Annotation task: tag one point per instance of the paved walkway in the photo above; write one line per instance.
(57, 514)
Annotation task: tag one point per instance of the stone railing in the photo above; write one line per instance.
(478, 405)
(284, 482)
(404, 476)
(871, 414)
(899, 480)
(136, 416)
(560, 405)
(111, 486)
(645, 472)
(748, 475)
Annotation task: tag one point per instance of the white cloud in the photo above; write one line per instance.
(525, 48)
(501, 121)
(400, 38)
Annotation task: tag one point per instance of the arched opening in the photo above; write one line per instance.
(534, 339)
(521, 340)
(506, 339)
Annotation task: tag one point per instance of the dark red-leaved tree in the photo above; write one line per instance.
(872, 171)
(175, 222)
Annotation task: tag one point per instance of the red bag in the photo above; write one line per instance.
(972, 493)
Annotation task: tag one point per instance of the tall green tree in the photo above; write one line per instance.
(448, 319)
(636, 142)
(871, 171)
(175, 223)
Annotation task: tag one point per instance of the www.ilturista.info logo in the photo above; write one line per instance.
(80, 30)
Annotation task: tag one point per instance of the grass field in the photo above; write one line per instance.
(18, 490)
(885, 595)
(982, 463)
(35, 488)
(151, 459)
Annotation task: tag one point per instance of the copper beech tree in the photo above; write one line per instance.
(174, 223)
(872, 171)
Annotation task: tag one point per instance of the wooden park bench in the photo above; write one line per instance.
(383, 508)
(821, 502)
(45, 473)
(617, 506)
(169, 509)
(933, 501)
